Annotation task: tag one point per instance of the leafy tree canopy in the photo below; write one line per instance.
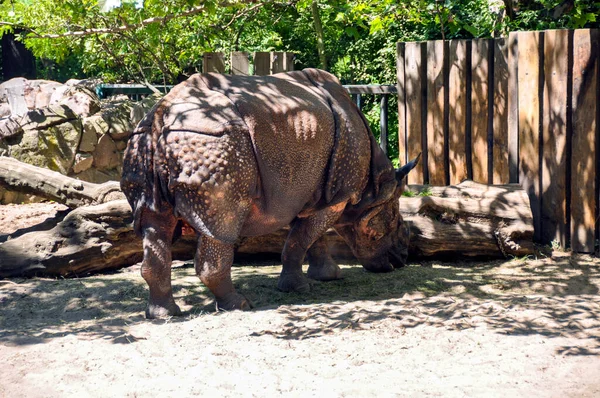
(163, 40)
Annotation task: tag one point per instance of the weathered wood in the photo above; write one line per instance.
(554, 133)
(262, 63)
(402, 139)
(583, 166)
(529, 121)
(213, 62)
(436, 161)
(414, 109)
(457, 101)
(513, 108)
(479, 109)
(288, 61)
(22, 177)
(277, 61)
(240, 64)
(500, 170)
(89, 239)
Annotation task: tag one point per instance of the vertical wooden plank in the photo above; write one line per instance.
(554, 136)
(240, 65)
(479, 107)
(529, 122)
(414, 100)
(213, 62)
(435, 112)
(288, 61)
(277, 58)
(262, 63)
(500, 115)
(513, 108)
(400, 85)
(583, 163)
(457, 101)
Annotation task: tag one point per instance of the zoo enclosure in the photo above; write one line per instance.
(523, 109)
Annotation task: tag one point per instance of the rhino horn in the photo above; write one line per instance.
(404, 170)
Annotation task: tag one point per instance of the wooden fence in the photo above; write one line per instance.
(263, 63)
(523, 109)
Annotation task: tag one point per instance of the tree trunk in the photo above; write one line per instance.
(319, 31)
(469, 219)
(23, 177)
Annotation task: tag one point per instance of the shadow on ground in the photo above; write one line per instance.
(555, 297)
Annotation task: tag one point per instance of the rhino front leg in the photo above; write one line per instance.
(304, 232)
(321, 266)
(213, 262)
(157, 231)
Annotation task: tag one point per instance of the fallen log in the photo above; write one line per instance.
(468, 220)
(23, 177)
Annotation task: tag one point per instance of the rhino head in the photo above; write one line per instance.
(375, 230)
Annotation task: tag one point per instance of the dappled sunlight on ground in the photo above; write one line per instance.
(524, 326)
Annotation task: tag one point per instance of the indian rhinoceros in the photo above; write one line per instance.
(239, 156)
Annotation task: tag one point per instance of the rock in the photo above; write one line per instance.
(83, 161)
(4, 109)
(121, 145)
(93, 127)
(97, 176)
(81, 100)
(53, 149)
(9, 126)
(106, 155)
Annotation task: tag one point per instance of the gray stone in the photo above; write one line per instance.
(83, 161)
(106, 155)
(53, 148)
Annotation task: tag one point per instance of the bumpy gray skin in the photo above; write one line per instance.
(238, 156)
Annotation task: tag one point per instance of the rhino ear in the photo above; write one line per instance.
(404, 170)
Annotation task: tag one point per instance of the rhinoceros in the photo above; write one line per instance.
(235, 156)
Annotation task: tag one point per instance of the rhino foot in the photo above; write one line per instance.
(328, 271)
(155, 311)
(293, 282)
(234, 301)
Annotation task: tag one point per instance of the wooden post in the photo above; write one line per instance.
(500, 114)
(458, 111)
(213, 62)
(435, 112)
(554, 157)
(288, 61)
(277, 62)
(414, 79)
(513, 108)
(240, 65)
(583, 164)
(402, 141)
(262, 63)
(529, 122)
(479, 109)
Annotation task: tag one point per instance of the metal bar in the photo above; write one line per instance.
(383, 123)
(359, 101)
(371, 88)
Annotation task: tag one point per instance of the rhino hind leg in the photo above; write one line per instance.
(321, 266)
(157, 231)
(304, 232)
(213, 263)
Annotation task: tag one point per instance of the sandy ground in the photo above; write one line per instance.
(521, 327)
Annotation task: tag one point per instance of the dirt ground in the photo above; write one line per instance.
(518, 327)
